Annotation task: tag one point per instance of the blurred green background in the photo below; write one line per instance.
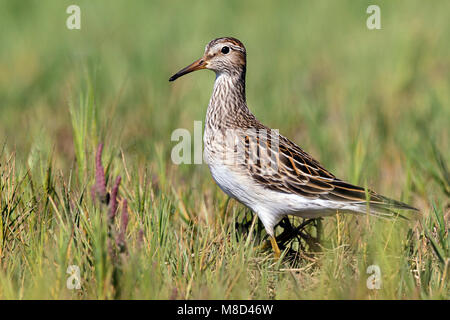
(372, 105)
(314, 71)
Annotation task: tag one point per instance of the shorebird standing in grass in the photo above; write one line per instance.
(260, 168)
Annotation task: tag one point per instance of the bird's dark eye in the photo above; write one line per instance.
(225, 50)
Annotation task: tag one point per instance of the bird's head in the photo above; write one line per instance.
(222, 55)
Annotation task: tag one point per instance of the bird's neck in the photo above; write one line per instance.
(227, 103)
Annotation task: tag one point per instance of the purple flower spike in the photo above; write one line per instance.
(100, 181)
(113, 203)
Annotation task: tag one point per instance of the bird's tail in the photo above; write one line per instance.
(387, 208)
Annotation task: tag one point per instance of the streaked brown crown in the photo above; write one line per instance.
(235, 42)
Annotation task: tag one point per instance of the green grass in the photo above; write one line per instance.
(372, 106)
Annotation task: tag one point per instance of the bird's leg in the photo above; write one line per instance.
(286, 224)
(275, 248)
(273, 242)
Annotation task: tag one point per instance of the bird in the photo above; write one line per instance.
(257, 166)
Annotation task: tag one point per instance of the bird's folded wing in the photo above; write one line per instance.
(279, 164)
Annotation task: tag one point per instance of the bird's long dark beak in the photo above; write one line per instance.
(196, 65)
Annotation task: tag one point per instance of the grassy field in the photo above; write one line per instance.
(372, 105)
